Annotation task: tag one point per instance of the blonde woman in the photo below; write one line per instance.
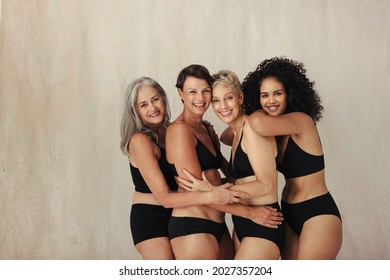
(252, 165)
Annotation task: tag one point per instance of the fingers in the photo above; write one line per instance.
(234, 199)
(184, 183)
(204, 176)
(185, 188)
(240, 194)
(227, 185)
(188, 174)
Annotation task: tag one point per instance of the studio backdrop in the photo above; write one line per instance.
(65, 186)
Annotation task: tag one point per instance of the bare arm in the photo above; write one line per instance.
(297, 124)
(259, 214)
(264, 166)
(286, 124)
(145, 156)
(180, 149)
(227, 137)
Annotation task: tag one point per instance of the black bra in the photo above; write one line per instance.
(241, 167)
(296, 162)
(139, 182)
(206, 158)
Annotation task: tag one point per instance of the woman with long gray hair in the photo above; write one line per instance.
(145, 120)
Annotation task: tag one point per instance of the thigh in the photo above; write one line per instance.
(226, 247)
(291, 244)
(236, 242)
(155, 249)
(321, 238)
(254, 248)
(199, 246)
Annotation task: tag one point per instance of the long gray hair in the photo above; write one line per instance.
(131, 122)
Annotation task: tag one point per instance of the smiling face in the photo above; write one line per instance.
(150, 106)
(226, 103)
(196, 95)
(273, 97)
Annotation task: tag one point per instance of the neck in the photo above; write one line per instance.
(195, 121)
(160, 131)
(236, 125)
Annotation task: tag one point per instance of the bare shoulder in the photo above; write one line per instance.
(177, 129)
(252, 137)
(139, 137)
(227, 136)
(140, 140)
(211, 129)
(209, 126)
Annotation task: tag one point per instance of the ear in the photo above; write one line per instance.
(241, 97)
(180, 92)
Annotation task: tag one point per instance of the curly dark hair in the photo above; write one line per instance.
(301, 95)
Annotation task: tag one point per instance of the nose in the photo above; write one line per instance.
(152, 107)
(199, 95)
(272, 99)
(224, 104)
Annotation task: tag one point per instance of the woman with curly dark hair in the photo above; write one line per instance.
(290, 108)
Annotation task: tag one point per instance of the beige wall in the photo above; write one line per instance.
(65, 187)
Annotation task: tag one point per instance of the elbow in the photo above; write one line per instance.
(257, 124)
(266, 189)
(164, 201)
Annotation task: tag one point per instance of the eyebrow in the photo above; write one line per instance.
(273, 91)
(202, 88)
(157, 95)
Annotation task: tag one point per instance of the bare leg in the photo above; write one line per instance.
(253, 248)
(321, 238)
(290, 249)
(226, 248)
(236, 241)
(155, 249)
(199, 246)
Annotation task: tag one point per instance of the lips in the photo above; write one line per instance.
(154, 114)
(225, 113)
(272, 108)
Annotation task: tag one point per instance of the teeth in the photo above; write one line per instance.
(199, 104)
(153, 115)
(225, 113)
(272, 108)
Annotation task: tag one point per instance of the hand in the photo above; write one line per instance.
(222, 195)
(218, 195)
(195, 185)
(266, 216)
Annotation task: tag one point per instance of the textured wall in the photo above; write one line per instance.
(65, 187)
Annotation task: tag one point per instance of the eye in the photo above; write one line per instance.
(278, 93)
(192, 91)
(263, 95)
(229, 97)
(214, 100)
(206, 90)
(155, 99)
(143, 105)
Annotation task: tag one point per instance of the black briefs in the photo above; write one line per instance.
(182, 226)
(149, 221)
(247, 228)
(296, 214)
